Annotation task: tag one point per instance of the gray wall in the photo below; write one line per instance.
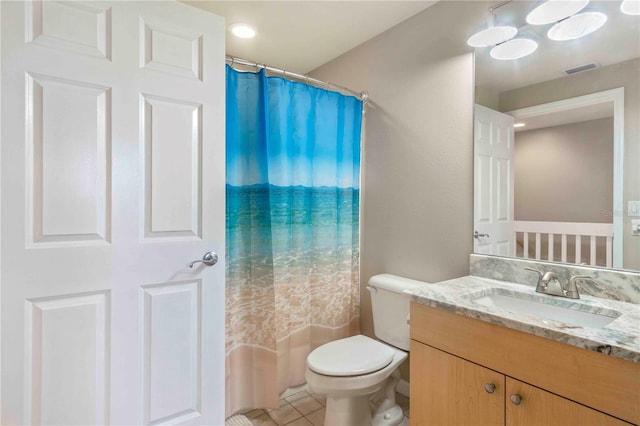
(417, 188)
(624, 75)
(565, 173)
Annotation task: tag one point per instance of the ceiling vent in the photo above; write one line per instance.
(581, 68)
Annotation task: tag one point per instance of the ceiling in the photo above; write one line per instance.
(299, 36)
(617, 41)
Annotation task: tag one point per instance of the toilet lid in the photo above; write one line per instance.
(352, 356)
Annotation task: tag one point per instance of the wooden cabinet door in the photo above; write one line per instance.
(539, 407)
(447, 390)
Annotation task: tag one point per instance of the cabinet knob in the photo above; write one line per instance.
(489, 387)
(516, 399)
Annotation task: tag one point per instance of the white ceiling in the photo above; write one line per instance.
(617, 41)
(299, 36)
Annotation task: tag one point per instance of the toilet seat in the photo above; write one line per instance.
(352, 356)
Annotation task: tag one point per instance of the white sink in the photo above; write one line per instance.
(546, 307)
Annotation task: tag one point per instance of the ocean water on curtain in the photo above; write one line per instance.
(304, 239)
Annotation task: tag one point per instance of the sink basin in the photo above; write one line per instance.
(546, 307)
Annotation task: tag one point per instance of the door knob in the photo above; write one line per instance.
(476, 235)
(490, 387)
(210, 258)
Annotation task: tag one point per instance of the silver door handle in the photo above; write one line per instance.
(210, 258)
(476, 235)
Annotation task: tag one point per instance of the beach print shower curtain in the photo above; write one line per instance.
(293, 173)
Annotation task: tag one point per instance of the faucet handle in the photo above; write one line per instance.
(572, 286)
(540, 274)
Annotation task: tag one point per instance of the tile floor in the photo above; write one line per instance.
(302, 409)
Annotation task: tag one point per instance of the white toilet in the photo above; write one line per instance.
(359, 374)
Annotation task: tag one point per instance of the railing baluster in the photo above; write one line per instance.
(550, 248)
(578, 249)
(526, 245)
(592, 251)
(564, 248)
(538, 246)
(609, 252)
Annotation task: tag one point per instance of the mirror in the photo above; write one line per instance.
(565, 191)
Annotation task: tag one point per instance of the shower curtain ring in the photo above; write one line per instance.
(233, 60)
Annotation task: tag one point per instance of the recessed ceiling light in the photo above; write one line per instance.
(492, 36)
(630, 7)
(577, 26)
(519, 124)
(242, 30)
(514, 49)
(555, 10)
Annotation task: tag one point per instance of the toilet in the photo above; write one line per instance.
(358, 374)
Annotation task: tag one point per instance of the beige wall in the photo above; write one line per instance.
(625, 75)
(417, 189)
(565, 173)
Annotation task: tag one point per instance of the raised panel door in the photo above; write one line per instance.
(113, 181)
(447, 390)
(536, 406)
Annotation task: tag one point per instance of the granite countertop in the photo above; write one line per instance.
(622, 335)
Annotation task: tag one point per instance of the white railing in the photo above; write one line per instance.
(571, 235)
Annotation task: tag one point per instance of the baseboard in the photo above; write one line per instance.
(403, 388)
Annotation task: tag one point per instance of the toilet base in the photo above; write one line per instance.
(391, 417)
(352, 411)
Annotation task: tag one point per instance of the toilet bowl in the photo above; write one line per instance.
(358, 374)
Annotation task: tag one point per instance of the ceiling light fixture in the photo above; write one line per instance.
(630, 7)
(242, 30)
(555, 10)
(577, 26)
(519, 124)
(514, 49)
(493, 34)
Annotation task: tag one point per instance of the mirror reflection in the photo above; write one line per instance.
(564, 184)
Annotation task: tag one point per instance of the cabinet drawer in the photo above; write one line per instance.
(608, 384)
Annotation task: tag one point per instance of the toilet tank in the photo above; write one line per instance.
(390, 308)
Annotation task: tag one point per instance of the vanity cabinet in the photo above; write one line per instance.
(453, 391)
(465, 371)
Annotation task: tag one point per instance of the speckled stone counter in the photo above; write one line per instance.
(622, 335)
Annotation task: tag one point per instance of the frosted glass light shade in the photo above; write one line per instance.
(577, 26)
(492, 36)
(554, 11)
(514, 49)
(630, 7)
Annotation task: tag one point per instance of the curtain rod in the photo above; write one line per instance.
(363, 96)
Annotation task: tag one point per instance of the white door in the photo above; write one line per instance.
(112, 182)
(493, 182)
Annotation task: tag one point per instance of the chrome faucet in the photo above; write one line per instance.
(570, 290)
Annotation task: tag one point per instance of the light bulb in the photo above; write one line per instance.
(492, 36)
(555, 10)
(242, 30)
(514, 49)
(577, 26)
(630, 7)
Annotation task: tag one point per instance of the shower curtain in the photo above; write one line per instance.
(293, 173)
